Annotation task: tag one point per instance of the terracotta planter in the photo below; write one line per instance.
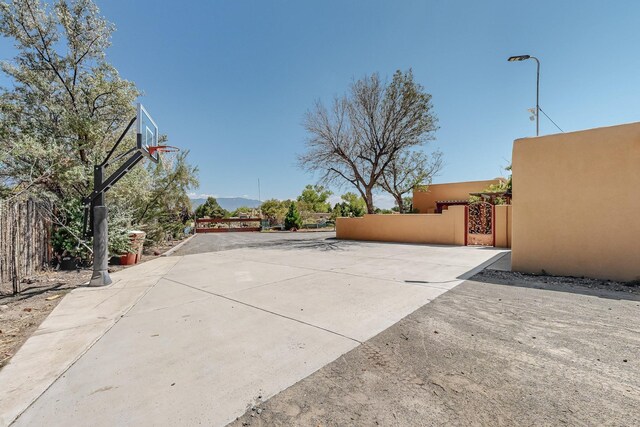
(128, 259)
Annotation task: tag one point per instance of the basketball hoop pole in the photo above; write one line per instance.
(95, 204)
(99, 212)
(100, 228)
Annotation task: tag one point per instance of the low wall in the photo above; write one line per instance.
(576, 203)
(447, 228)
(503, 218)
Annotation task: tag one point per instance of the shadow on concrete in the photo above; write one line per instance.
(32, 291)
(329, 244)
(577, 285)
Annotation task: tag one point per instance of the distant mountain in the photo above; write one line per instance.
(230, 203)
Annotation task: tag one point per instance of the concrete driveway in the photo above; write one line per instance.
(196, 339)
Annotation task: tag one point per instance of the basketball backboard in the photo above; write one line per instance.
(147, 133)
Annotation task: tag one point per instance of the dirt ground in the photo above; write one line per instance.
(21, 315)
(501, 349)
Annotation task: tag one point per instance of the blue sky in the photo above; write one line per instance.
(231, 80)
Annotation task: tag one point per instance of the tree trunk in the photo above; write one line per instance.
(400, 203)
(369, 201)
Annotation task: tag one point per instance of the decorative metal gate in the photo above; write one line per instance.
(480, 224)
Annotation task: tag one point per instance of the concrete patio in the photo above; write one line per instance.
(198, 338)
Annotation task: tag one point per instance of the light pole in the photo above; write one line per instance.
(524, 58)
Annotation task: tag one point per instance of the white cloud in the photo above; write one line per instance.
(333, 199)
(193, 195)
(383, 201)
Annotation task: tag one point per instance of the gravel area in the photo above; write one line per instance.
(500, 350)
(567, 284)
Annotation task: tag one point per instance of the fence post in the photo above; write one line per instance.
(15, 241)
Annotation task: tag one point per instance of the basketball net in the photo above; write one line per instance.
(167, 155)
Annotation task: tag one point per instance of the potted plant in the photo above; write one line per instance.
(121, 247)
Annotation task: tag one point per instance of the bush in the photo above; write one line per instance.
(293, 219)
(65, 238)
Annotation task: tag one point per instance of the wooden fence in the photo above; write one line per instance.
(25, 232)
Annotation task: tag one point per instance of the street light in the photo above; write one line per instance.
(524, 58)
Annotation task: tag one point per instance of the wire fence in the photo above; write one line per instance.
(25, 232)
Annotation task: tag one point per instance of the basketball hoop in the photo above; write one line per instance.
(167, 155)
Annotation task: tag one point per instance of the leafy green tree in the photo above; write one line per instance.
(275, 210)
(242, 210)
(293, 219)
(337, 212)
(166, 207)
(64, 109)
(314, 198)
(385, 211)
(67, 104)
(211, 209)
(363, 131)
(356, 204)
(66, 239)
(351, 206)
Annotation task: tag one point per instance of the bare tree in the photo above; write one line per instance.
(407, 170)
(363, 131)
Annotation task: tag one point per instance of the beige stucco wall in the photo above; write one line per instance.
(576, 205)
(503, 217)
(425, 201)
(447, 228)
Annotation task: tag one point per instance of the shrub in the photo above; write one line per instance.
(293, 219)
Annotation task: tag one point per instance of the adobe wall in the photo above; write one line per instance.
(576, 203)
(425, 201)
(504, 220)
(447, 228)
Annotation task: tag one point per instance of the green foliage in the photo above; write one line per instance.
(292, 219)
(67, 230)
(242, 211)
(509, 181)
(66, 236)
(352, 206)
(119, 227)
(314, 198)
(166, 207)
(67, 104)
(275, 210)
(357, 205)
(65, 108)
(384, 211)
(504, 186)
(211, 209)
